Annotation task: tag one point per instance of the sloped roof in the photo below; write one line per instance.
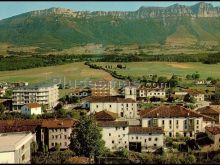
(213, 130)
(105, 116)
(59, 123)
(110, 99)
(144, 130)
(33, 105)
(112, 123)
(208, 110)
(170, 111)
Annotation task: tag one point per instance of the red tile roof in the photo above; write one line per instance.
(208, 110)
(170, 111)
(59, 123)
(110, 99)
(112, 123)
(144, 130)
(33, 105)
(213, 130)
(105, 116)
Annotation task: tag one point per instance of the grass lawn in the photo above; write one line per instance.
(71, 72)
(167, 69)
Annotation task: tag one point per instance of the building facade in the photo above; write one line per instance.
(57, 132)
(124, 107)
(15, 148)
(214, 134)
(45, 94)
(151, 92)
(175, 120)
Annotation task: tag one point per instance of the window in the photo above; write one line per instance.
(132, 137)
(162, 122)
(170, 121)
(65, 136)
(56, 136)
(109, 134)
(197, 121)
(150, 133)
(118, 135)
(22, 147)
(155, 145)
(116, 128)
(97, 106)
(127, 105)
(64, 129)
(23, 157)
(155, 139)
(125, 142)
(177, 122)
(113, 141)
(110, 106)
(170, 134)
(149, 139)
(137, 137)
(123, 128)
(65, 143)
(52, 136)
(52, 144)
(145, 140)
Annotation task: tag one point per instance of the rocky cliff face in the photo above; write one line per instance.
(201, 9)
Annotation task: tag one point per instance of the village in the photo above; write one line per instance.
(142, 118)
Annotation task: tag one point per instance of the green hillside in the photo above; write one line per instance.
(58, 31)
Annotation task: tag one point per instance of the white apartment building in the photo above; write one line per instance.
(115, 134)
(175, 120)
(45, 94)
(124, 107)
(57, 131)
(118, 134)
(15, 148)
(31, 108)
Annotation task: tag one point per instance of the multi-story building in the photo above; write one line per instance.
(117, 134)
(57, 131)
(101, 88)
(46, 94)
(15, 148)
(198, 95)
(175, 120)
(124, 107)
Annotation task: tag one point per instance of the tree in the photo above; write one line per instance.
(162, 79)
(190, 159)
(188, 77)
(57, 147)
(2, 108)
(86, 138)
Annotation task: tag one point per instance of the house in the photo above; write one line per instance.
(57, 131)
(144, 139)
(31, 108)
(23, 125)
(174, 120)
(81, 93)
(102, 88)
(214, 134)
(44, 93)
(15, 148)
(211, 112)
(198, 95)
(151, 92)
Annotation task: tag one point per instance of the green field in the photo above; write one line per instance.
(137, 69)
(71, 72)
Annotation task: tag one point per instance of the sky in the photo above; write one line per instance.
(8, 9)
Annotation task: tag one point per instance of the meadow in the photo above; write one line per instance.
(71, 72)
(167, 69)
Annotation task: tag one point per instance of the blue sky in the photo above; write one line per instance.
(8, 9)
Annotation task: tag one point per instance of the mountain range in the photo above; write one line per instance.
(64, 28)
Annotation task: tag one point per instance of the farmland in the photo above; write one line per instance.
(137, 69)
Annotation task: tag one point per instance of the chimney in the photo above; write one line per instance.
(157, 114)
(188, 113)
